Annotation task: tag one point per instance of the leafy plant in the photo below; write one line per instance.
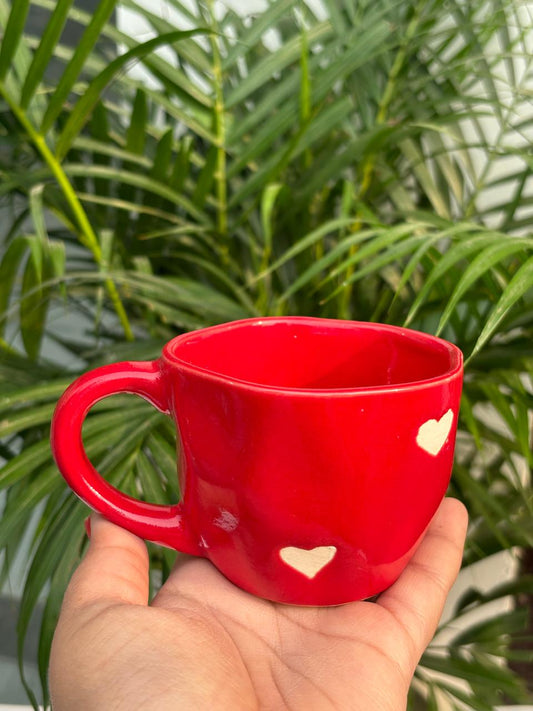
(352, 159)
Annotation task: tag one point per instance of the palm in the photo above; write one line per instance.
(207, 644)
(282, 656)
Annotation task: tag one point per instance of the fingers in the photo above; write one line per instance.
(114, 570)
(417, 598)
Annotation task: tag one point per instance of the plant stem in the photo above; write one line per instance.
(370, 162)
(220, 133)
(87, 234)
(390, 89)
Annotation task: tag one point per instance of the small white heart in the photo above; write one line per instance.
(308, 562)
(433, 434)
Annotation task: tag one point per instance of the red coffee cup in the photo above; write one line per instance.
(313, 452)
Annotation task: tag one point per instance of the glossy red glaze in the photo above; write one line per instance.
(314, 452)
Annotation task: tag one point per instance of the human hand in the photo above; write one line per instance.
(203, 643)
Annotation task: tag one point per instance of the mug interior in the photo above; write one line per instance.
(315, 354)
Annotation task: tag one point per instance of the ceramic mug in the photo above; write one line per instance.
(313, 452)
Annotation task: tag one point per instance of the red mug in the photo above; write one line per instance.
(313, 452)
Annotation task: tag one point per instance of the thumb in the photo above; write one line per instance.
(114, 571)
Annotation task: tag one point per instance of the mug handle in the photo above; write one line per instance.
(162, 524)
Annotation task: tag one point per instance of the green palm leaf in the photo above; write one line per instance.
(42, 56)
(489, 257)
(74, 67)
(520, 284)
(88, 101)
(12, 34)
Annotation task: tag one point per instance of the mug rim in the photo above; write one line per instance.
(455, 369)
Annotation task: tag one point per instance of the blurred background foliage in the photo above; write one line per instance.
(361, 159)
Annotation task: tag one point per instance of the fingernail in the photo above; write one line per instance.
(87, 524)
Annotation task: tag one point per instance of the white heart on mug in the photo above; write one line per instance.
(433, 434)
(308, 562)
